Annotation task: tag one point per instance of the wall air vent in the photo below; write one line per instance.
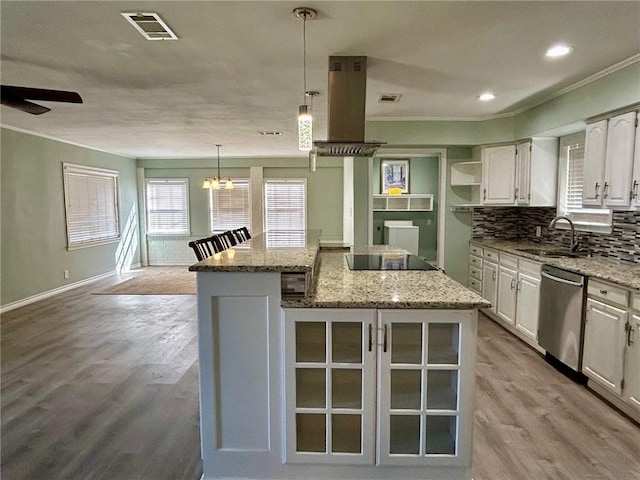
(389, 97)
(150, 26)
(270, 133)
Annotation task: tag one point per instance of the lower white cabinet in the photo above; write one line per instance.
(528, 304)
(611, 356)
(632, 363)
(507, 281)
(604, 337)
(379, 387)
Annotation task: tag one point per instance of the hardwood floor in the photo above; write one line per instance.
(106, 387)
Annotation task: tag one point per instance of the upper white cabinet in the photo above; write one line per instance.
(608, 167)
(499, 175)
(635, 183)
(523, 174)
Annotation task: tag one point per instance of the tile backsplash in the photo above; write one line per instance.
(520, 223)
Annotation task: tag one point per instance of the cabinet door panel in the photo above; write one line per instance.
(632, 365)
(604, 338)
(507, 279)
(499, 175)
(528, 305)
(619, 160)
(490, 283)
(523, 173)
(421, 403)
(330, 386)
(594, 158)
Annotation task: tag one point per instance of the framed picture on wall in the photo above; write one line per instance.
(394, 175)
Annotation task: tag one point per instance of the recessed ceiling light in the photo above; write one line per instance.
(559, 50)
(486, 97)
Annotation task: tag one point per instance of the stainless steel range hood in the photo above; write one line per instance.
(347, 92)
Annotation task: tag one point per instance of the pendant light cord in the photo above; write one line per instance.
(218, 147)
(304, 56)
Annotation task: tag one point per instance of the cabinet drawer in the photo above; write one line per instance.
(608, 292)
(635, 301)
(508, 260)
(475, 285)
(529, 267)
(475, 250)
(475, 272)
(491, 255)
(475, 261)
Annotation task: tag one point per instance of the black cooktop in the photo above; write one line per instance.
(387, 261)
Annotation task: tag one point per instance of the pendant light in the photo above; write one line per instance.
(214, 182)
(305, 120)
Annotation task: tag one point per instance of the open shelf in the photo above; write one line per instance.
(466, 173)
(404, 202)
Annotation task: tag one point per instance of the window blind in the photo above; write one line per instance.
(571, 184)
(285, 212)
(91, 205)
(230, 209)
(168, 206)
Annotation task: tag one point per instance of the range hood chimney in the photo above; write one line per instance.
(347, 92)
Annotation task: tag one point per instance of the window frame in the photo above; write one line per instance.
(285, 180)
(69, 171)
(185, 182)
(236, 183)
(583, 220)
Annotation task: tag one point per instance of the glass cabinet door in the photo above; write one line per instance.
(421, 387)
(330, 375)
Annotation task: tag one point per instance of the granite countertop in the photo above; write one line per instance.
(278, 251)
(339, 287)
(625, 274)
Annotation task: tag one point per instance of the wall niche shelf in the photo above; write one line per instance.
(403, 203)
(466, 173)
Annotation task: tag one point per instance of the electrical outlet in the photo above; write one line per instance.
(538, 231)
(66, 274)
(428, 221)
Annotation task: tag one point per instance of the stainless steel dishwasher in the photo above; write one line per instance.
(561, 321)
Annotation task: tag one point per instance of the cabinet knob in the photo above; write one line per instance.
(597, 188)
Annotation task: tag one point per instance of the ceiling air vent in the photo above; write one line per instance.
(389, 97)
(150, 26)
(270, 133)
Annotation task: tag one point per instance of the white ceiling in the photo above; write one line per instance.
(237, 68)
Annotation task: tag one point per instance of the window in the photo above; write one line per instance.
(570, 181)
(168, 206)
(230, 209)
(91, 205)
(285, 212)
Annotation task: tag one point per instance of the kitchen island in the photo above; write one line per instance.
(311, 370)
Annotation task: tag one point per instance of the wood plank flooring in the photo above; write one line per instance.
(106, 387)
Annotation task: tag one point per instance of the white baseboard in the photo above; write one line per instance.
(156, 263)
(51, 293)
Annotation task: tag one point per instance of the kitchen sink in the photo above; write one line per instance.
(553, 252)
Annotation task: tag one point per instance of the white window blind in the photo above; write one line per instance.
(91, 205)
(285, 212)
(230, 209)
(168, 206)
(571, 180)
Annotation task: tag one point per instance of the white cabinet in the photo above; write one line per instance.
(608, 167)
(528, 304)
(604, 338)
(634, 195)
(490, 283)
(632, 362)
(524, 174)
(379, 387)
(512, 285)
(499, 175)
(594, 154)
(507, 281)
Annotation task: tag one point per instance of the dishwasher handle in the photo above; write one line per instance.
(561, 280)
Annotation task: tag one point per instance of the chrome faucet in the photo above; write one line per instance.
(574, 237)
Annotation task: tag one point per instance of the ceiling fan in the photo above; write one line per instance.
(18, 97)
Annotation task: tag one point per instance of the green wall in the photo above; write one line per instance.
(324, 186)
(34, 251)
(423, 178)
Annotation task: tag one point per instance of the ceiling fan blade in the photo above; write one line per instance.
(25, 106)
(23, 93)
